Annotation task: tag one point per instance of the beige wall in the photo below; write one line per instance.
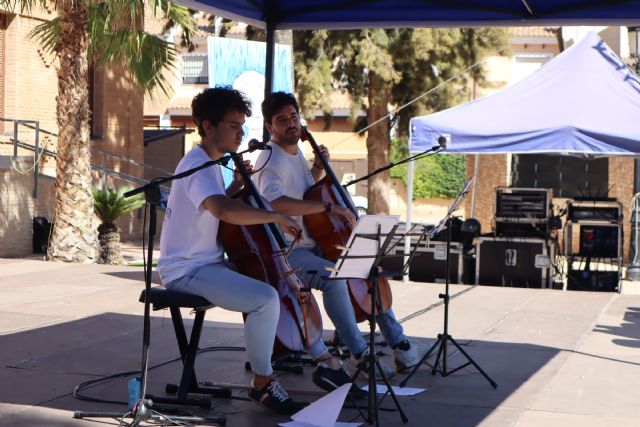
(30, 79)
(492, 172)
(18, 207)
(118, 120)
(163, 154)
(621, 177)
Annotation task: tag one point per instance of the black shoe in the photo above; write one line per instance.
(273, 397)
(330, 379)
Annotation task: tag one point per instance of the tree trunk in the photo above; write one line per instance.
(74, 233)
(109, 238)
(378, 145)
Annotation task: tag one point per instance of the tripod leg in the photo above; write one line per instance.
(441, 339)
(403, 417)
(464, 353)
(424, 358)
(373, 397)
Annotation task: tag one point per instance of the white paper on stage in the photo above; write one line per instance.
(359, 268)
(323, 412)
(399, 391)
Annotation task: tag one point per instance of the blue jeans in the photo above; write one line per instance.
(228, 289)
(337, 302)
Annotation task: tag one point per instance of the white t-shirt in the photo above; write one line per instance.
(284, 175)
(189, 231)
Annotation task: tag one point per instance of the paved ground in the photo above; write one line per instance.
(559, 358)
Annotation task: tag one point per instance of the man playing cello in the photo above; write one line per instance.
(283, 178)
(191, 257)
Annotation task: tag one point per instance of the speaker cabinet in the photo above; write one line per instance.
(429, 263)
(515, 262)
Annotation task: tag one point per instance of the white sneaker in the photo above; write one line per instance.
(409, 358)
(352, 367)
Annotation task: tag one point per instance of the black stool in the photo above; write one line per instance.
(161, 298)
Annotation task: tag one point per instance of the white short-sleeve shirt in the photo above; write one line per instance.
(284, 174)
(190, 232)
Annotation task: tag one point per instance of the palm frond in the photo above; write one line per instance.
(116, 34)
(180, 15)
(109, 204)
(146, 56)
(48, 35)
(23, 6)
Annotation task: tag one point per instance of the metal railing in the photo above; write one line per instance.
(103, 170)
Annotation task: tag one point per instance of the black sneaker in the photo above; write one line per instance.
(273, 397)
(330, 379)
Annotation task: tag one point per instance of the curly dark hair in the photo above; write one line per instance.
(213, 103)
(275, 102)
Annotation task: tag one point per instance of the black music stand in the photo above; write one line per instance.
(368, 266)
(143, 410)
(445, 337)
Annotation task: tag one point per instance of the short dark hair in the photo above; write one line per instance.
(213, 103)
(274, 103)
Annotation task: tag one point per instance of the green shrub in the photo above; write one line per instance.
(441, 175)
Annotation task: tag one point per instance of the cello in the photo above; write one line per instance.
(258, 251)
(332, 232)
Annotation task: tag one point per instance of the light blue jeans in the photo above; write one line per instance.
(337, 302)
(228, 289)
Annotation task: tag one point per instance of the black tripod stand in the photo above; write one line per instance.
(370, 362)
(143, 409)
(445, 337)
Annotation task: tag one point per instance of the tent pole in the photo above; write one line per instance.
(407, 241)
(269, 66)
(475, 186)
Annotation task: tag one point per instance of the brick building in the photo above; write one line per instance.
(28, 90)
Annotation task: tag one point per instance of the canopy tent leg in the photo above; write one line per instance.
(407, 241)
(476, 165)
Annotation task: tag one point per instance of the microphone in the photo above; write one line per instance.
(442, 141)
(255, 144)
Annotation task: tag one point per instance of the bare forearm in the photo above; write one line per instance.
(233, 188)
(294, 207)
(236, 212)
(317, 173)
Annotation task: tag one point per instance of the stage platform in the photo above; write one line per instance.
(560, 358)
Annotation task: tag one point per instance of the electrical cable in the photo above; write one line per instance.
(77, 391)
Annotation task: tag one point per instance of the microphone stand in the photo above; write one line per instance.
(142, 411)
(430, 152)
(445, 336)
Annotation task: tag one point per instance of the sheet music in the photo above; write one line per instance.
(363, 246)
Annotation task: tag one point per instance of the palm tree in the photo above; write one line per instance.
(105, 31)
(109, 205)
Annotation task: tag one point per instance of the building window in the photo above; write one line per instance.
(525, 64)
(195, 69)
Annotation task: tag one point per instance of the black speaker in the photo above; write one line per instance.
(41, 231)
(598, 281)
(523, 263)
(429, 263)
(521, 229)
